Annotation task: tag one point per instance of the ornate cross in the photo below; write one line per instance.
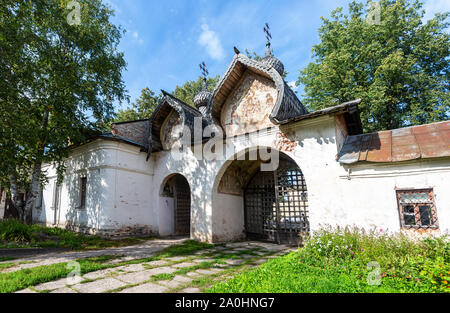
(268, 35)
(204, 70)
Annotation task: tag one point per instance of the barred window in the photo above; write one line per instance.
(417, 209)
(83, 192)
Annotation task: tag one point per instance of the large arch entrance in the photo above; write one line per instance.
(276, 204)
(177, 196)
(267, 205)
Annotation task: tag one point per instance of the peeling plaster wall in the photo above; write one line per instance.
(249, 106)
(118, 201)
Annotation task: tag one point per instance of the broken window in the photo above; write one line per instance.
(83, 192)
(417, 209)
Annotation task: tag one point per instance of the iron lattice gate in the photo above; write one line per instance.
(182, 206)
(276, 205)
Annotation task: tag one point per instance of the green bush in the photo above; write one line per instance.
(14, 231)
(337, 260)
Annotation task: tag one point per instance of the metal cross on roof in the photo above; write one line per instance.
(268, 35)
(204, 70)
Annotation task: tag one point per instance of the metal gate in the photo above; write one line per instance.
(182, 206)
(276, 205)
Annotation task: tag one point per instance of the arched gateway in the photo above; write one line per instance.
(276, 204)
(267, 205)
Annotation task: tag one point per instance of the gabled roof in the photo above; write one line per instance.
(411, 143)
(168, 104)
(287, 105)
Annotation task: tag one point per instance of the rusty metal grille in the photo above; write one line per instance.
(182, 206)
(417, 209)
(276, 205)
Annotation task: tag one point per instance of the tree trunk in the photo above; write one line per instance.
(36, 175)
(34, 191)
(16, 198)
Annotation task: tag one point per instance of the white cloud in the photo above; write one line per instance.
(137, 38)
(293, 85)
(210, 40)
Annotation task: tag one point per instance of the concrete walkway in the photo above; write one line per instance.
(189, 274)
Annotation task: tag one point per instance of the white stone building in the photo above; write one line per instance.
(132, 182)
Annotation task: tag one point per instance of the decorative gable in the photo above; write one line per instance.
(249, 107)
(172, 128)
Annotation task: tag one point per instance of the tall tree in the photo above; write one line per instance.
(61, 73)
(187, 92)
(141, 109)
(396, 63)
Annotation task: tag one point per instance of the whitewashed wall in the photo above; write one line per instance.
(124, 191)
(118, 197)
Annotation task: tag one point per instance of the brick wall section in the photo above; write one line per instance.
(136, 131)
(120, 232)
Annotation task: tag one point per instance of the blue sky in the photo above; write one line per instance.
(166, 40)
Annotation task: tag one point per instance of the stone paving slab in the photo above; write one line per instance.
(157, 263)
(234, 261)
(182, 279)
(99, 286)
(176, 258)
(135, 278)
(64, 290)
(170, 283)
(206, 271)
(140, 274)
(191, 290)
(100, 274)
(183, 265)
(194, 274)
(161, 270)
(52, 285)
(145, 288)
(140, 251)
(203, 260)
(260, 261)
(132, 268)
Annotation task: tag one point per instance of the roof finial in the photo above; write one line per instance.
(204, 70)
(268, 37)
(201, 99)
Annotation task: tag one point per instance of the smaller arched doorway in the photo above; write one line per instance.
(177, 193)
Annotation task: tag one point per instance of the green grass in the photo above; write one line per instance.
(24, 278)
(337, 262)
(14, 234)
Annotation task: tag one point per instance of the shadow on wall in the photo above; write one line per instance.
(198, 175)
(84, 215)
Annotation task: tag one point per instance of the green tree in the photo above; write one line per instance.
(141, 109)
(59, 79)
(187, 92)
(399, 67)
